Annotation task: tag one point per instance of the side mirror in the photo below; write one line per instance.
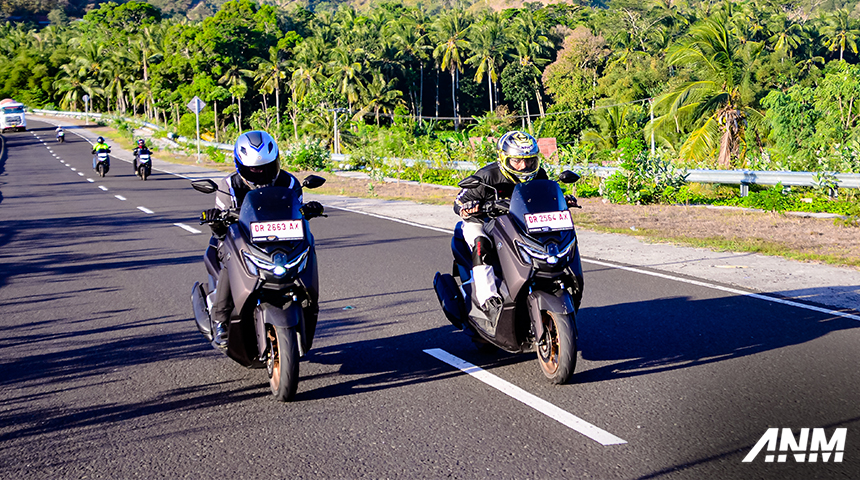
(469, 182)
(205, 186)
(568, 177)
(313, 181)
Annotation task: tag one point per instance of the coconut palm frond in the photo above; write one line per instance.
(703, 141)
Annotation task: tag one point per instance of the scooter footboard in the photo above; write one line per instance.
(289, 316)
(539, 301)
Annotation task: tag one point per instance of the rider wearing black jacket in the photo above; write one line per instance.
(140, 148)
(257, 165)
(518, 163)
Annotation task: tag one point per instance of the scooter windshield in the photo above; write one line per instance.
(536, 196)
(272, 214)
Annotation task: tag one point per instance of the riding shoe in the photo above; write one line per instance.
(219, 337)
(492, 306)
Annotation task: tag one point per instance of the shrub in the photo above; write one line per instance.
(307, 155)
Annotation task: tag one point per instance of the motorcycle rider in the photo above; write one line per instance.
(255, 154)
(60, 132)
(139, 149)
(518, 163)
(100, 146)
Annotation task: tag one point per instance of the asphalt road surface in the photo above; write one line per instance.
(104, 374)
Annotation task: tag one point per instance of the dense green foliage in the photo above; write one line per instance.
(729, 84)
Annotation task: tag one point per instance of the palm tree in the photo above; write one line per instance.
(450, 34)
(787, 36)
(237, 87)
(531, 44)
(409, 36)
(380, 96)
(840, 32)
(347, 69)
(488, 42)
(717, 107)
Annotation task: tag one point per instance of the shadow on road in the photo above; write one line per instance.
(666, 334)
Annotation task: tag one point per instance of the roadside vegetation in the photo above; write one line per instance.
(654, 87)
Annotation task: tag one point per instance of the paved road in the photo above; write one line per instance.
(105, 376)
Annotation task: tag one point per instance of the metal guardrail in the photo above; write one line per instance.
(171, 136)
(743, 178)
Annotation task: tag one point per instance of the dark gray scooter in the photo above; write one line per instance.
(539, 277)
(270, 257)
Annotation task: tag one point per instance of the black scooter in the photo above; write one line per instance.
(539, 275)
(270, 257)
(144, 165)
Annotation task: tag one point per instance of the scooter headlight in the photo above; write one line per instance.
(279, 266)
(551, 255)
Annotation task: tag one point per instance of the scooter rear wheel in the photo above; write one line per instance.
(556, 352)
(101, 170)
(283, 362)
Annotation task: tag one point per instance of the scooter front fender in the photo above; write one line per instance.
(539, 301)
(290, 316)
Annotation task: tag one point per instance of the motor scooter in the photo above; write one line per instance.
(102, 163)
(61, 136)
(269, 255)
(539, 276)
(144, 165)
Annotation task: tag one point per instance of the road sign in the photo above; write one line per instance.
(196, 105)
(85, 98)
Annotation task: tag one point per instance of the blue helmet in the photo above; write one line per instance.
(256, 157)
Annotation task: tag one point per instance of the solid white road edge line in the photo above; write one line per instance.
(564, 417)
(735, 291)
(731, 290)
(187, 228)
(145, 210)
(120, 197)
(435, 229)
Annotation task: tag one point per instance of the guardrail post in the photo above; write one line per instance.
(745, 189)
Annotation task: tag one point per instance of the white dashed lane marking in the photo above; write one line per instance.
(562, 416)
(120, 197)
(145, 210)
(103, 187)
(187, 228)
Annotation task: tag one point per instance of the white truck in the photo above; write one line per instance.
(12, 115)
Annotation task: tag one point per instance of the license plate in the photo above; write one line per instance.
(103, 156)
(275, 231)
(144, 158)
(549, 221)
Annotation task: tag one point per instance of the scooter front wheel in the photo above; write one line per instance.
(283, 362)
(556, 351)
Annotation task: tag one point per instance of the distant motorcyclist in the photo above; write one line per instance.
(518, 163)
(100, 147)
(257, 165)
(60, 133)
(138, 150)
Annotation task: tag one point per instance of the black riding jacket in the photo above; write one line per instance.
(491, 175)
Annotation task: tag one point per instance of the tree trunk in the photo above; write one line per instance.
(278, 109)
(490, 90)
(437, 92)
(421, 96)
(454, 99)
(215, 108)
